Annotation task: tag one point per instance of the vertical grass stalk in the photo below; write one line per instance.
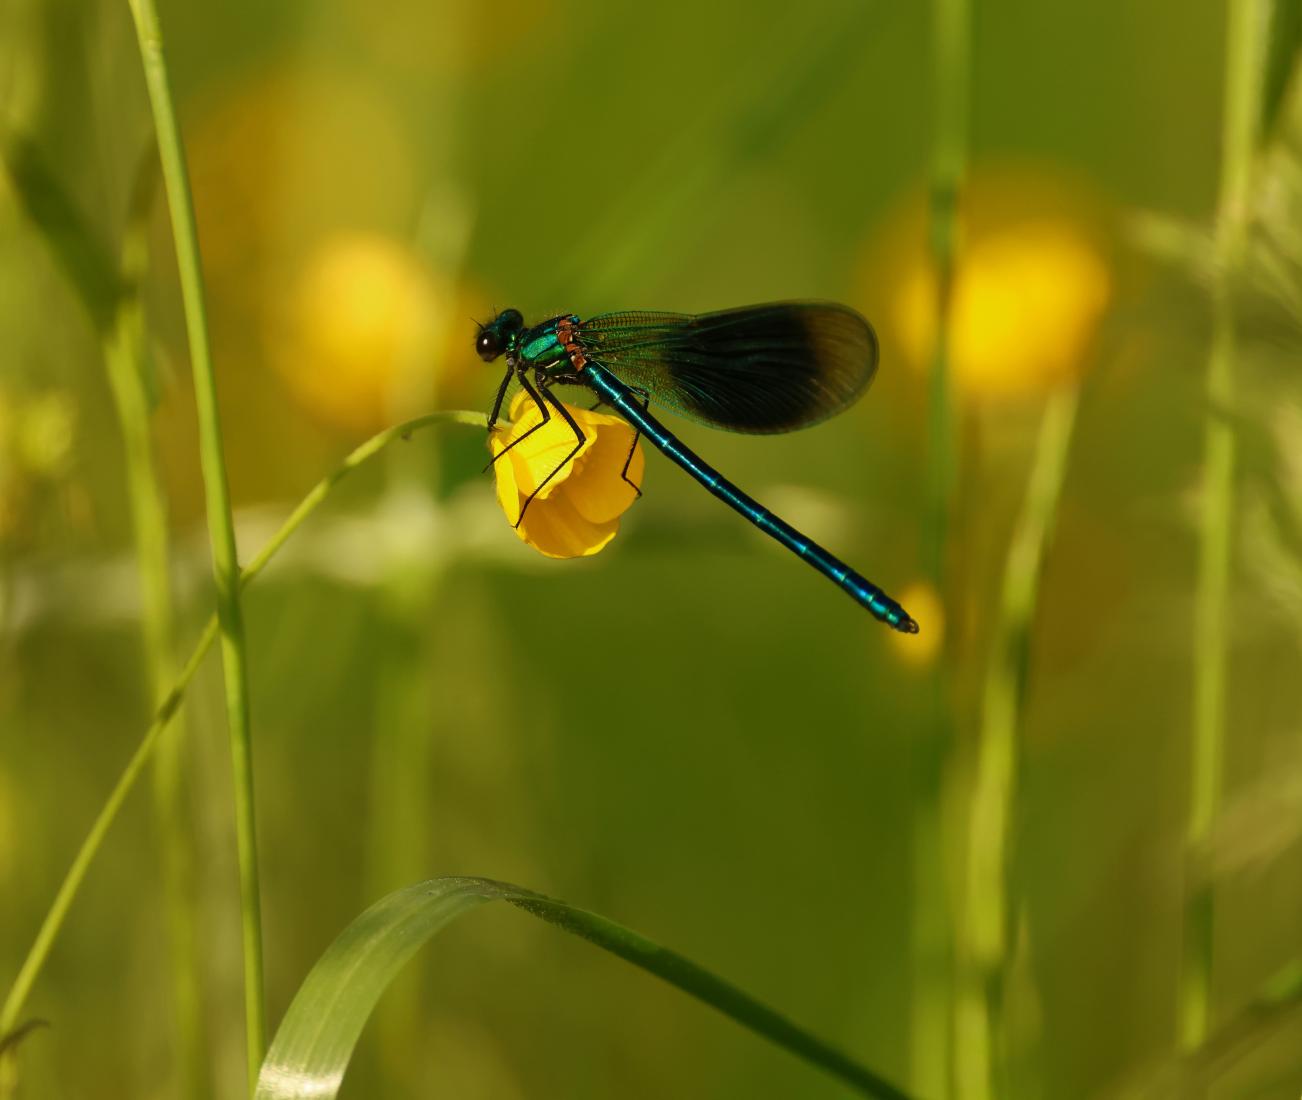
(983, 924)
(930, 1035)
(125, 360)
(1245, 41)
(221, 528)
(952, 33)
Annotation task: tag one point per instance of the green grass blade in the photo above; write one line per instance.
(1245, 49)
(316, 1039)
(985, 902)
(11, 1040)
(1283, 50)
(221, 524)
(624, 246)
(77, 250)
(932, 948)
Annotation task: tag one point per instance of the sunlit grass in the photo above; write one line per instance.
(1245, 46)
(932, 1032)
(221, 525)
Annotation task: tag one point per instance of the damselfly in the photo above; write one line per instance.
(761, 369)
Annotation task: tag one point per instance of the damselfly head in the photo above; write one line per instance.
(499, 334)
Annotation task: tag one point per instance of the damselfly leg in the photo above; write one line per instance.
(542, 395)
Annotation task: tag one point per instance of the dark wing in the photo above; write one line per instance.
(769, 368)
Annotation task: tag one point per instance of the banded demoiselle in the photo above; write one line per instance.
(760, 369)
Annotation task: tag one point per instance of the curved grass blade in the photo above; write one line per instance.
(315, 1041)
(1282, 53)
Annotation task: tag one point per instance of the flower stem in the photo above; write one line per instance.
(50, 927)
(983, 922)
(1246, 26)
(221, 527)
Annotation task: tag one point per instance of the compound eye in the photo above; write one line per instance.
(488, 345)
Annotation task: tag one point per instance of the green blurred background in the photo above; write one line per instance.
(689, 733)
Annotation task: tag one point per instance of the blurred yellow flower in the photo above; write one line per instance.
(1026, 303)
(363, 324)
(282, 156)
(305, 187)
(577, 512)
(36, 448)
(924, 604)
(43, 439)
(1032, 283)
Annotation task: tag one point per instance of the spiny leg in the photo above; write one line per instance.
(546, 416)
(637, 434)
(501, 396)
(579, 439)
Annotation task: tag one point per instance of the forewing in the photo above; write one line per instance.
(769, 368)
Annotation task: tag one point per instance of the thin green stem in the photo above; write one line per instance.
(1245, 44)
(50, 927)
(952, 29)
(221, 526)
(984, 924)
(930, 1033)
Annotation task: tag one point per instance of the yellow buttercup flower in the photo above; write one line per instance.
(1027, 300)
(576, 513)
(363, 314)
(36, 449)
(1032, 282)
(298, 170)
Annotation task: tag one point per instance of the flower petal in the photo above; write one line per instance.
(557, 530)
(508, 493)
(543, 459)
(576, 511)
(522, 407)
(604, 495)
(544, 447)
